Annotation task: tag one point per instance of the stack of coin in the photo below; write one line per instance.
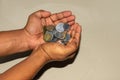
(57, 33)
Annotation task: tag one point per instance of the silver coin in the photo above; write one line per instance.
(66, 26)
(58, 35)
(67, 38)
(59, 27)
(54, 31)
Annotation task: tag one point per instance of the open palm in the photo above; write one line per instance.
(41, 18)
(58, 51)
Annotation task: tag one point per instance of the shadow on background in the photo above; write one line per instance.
(57, 64)
(14, 56)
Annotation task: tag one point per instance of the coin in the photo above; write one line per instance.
(48, 36)
(54, 31)
(59, 27)
(54, 39)
(60, 35)
(63, 35)
(67, 38)
(50, 28)
(57, 33)
(66, 26)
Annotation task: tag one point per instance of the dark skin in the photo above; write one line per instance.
(31, 37)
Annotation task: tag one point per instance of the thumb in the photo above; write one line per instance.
(42, 14)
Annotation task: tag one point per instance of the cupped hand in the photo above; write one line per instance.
(41, 18)
(58, 51)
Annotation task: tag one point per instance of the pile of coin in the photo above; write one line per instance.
(57, 33)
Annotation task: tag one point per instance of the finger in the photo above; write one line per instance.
(48, 21)
(42, 13)
(71, 27)
(65, 20)
(68, 19)
(43, 22)
(72, 35)
(60, 15)
(72, 32)
(72, 45)
(71, 23)
(78, 33)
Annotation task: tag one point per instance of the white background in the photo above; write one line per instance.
(99, 54)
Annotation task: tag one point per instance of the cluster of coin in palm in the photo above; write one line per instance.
(58, 33)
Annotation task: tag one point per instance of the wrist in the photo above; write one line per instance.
(28, 39)
(23, 39)
(40, 53)
(32, 39)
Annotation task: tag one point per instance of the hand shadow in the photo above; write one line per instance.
(57, 64)
(14, 56)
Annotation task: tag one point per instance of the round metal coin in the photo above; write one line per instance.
(63, 35)
(60, 35)
(50, 28)
(66, 26)
(59, 27)
(67, 38)
(48, 36)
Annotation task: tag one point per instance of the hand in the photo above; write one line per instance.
(41, 18)
(57, 51)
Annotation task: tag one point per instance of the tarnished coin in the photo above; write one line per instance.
(50, 28)
(59, 27)
(63, 35)
(66, 26)
(48, 36)
(67, 38)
